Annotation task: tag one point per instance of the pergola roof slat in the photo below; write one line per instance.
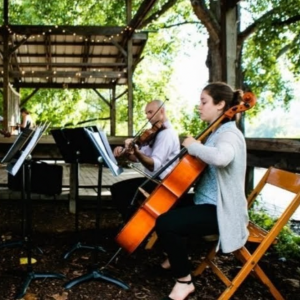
(89, 55)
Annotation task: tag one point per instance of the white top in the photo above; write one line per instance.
(165, 147)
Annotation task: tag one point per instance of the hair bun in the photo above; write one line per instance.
(237, 97)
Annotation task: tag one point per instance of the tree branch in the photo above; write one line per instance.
(181, 23)
(286, 48)
(289, 21)
(158, 13)
(207, 19)
(253, 27)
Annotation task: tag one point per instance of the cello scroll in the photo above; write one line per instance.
(249, 101)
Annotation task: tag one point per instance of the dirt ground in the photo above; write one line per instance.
(54, 234)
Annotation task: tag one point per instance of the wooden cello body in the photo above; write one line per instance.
(172, 187)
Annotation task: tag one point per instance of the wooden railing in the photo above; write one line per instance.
(262, 152)
(280, 153)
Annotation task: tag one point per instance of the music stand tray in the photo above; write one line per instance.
(87, 145)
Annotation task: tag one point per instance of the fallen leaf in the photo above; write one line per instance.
(293, 282)
(63, 296)
(77, 273)
(30, 296)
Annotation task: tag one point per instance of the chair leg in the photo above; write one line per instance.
(244, 272)
(243, 254)
(205, 262)
(152, 240)
(208, 261)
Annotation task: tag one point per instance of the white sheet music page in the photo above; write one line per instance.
(95, 137)
(13, 168)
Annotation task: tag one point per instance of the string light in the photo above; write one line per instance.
(106, 39)
(123, 31)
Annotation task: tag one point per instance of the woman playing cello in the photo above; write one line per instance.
(219, 202)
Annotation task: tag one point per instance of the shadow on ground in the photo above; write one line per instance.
(53, 233)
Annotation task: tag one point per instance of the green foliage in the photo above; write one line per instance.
(288, 244)
(67, 107)
(67, 12)
(272, 45)
(150, 78)
(191, 123)
(272, 48)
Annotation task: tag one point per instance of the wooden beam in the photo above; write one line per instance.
(24, 101)
(280, 153)
(64, 30)
(6, 58)
(69, 65)
(231, 3)
(129, 69)
(138, 39)
(44, 85)
(113, 112)
(29, 55)
(102, 97)
(5, 12)
(120, 48)
(273, 145)
(66, 74)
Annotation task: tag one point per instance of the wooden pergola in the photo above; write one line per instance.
(89, 57)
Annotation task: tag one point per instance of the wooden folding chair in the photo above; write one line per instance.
(285, 180)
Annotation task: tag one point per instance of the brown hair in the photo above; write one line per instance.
(220, 91)
(24, 110)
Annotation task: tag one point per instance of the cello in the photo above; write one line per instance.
(173, 186)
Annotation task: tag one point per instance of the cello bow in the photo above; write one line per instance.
(172, 187)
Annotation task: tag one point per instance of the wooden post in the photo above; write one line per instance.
(5, 66)
(129, 71)
(113, 112)
(229, 41)
(231, 45)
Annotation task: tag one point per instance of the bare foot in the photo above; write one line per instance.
(182, 288)
(166, 264)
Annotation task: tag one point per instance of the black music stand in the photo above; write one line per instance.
(11, 156)
(87, 145)
(23, 147)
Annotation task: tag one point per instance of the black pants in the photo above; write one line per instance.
(123, 192)
(175, 226)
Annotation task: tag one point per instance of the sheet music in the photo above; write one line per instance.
(13, 168)
(103, 152)
(107, 146)
(17, 146)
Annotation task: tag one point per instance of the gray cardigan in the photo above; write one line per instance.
(228, 155)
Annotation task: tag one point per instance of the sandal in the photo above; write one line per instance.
(186, 282)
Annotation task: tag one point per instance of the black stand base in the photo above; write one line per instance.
(81, 246)
(31, 276)
(11, 244)
(95, 275)
(20, 243)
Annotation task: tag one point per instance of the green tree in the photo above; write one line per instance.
(267, 35)
(268, 38)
